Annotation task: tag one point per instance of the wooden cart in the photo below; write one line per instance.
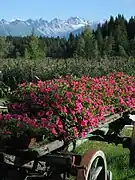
(57, 161)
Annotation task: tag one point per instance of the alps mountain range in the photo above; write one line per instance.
(41, 27)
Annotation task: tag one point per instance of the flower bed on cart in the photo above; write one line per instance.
(67, 107)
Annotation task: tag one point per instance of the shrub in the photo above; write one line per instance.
(16, 71)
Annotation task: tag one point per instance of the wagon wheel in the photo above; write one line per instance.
(95, 165)
(132, 148)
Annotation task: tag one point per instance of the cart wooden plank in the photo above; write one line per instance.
(40, 151)
(47, 148)
(52, 146)
(107, 121)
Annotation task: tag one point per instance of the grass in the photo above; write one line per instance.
(117, 158)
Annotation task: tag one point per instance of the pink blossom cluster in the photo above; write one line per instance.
(70, 107)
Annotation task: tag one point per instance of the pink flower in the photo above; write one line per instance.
(69, 100)
(80, 97)
(88, 113)
(49, 113)
(68, 95)
(84, 122)
(32, 84)
(132, 89)
(83, 134)
(41, 113)
(7, 116)
(22, 85)
(72, 112)
(32, 94)
(42, 90)
(76, 133)
(122, 102)
(7, 132)
(18, 124)
(65, 110)
(79, 105)
(44, 105)
(13, 106)
(40, 102)
(93, 123)
(75, 119)
(74, 104)
(59, 123)
(54, 132)
(48, 89)
(56, 96)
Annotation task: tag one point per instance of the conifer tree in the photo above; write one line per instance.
(80, 47)
(34, 51)
(90, 48)
(100, 40)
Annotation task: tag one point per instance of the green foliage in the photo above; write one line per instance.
(15, 71)
(122, 51)
(87, 46)
(106, 40)
(109, 45)
(5, 47)
(100, 40)
(33, 51)
(4, 90)
(90, 44)
(132, 47)
(80, 47)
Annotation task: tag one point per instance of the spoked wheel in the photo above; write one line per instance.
(95, 166)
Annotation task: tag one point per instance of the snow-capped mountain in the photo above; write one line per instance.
(41, 27)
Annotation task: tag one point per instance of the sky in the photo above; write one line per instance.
(91, 10)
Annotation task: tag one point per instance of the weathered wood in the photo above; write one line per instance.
(40, 151)
(8, 159)
(107, 121)
(47, 148)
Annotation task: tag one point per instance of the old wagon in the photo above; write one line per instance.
(57, 160)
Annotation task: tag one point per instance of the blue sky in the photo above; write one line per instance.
(63, 9)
